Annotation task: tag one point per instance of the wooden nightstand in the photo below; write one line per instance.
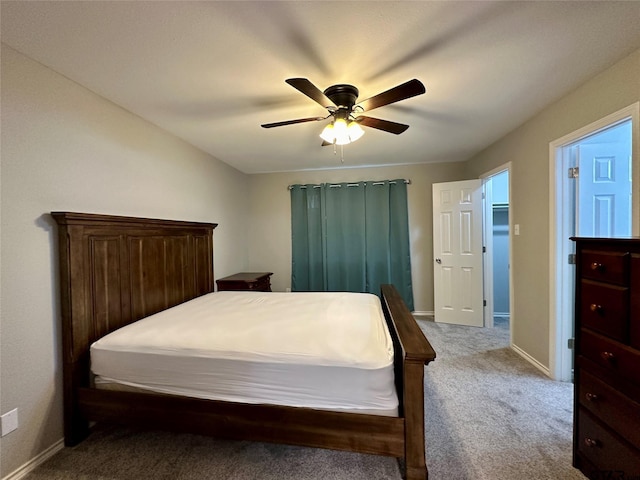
(247, 281)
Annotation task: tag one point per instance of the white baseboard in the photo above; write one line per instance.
(31, 465)
(531, 360)
(419, 313)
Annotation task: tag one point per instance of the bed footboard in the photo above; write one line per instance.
(413, 351)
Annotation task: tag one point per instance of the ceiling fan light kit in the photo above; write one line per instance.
(340, 102)
(339, 132)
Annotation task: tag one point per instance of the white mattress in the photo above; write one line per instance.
(327, 351)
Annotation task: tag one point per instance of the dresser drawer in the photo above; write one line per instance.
(614, 357)
(605, 308)
(634, 317)
(617, 411)
(605, 450)
(605, 266)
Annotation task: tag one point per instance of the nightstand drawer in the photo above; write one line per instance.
(618, 411)
(262, 285)
(606, 450)
(605, 309)
(605, 266)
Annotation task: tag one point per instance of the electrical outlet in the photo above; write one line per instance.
(287, 290)
(9, 421)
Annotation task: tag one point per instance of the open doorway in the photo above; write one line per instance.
(497, 242)
(592, 191)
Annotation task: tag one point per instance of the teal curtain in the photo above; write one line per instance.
(345, 237)
(351, 237)
(308, 250)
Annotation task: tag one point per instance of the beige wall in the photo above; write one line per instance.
(270, 230)
(527, 147)
(65, 148)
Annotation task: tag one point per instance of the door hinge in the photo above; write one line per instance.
(572, 259)
(570, 343)
(484, 249)
(484, 303)
(574, 172)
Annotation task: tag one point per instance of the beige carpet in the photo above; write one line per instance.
(489, 415)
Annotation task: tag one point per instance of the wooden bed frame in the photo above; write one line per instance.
(116, 270)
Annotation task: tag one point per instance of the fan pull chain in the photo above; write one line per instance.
(335, 152)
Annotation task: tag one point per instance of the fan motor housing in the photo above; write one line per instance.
(342, 95)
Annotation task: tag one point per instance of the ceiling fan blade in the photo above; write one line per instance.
(401, 92)
(292, 122)
(385, 125)
(310, 90)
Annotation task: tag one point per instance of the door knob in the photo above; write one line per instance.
(438, 260)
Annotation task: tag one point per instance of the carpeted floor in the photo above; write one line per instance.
(489, 415)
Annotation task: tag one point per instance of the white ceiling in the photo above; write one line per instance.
(211, 72)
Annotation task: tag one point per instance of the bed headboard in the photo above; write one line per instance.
(116, 270)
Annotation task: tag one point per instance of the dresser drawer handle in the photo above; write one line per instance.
(596, 308)
(592, 397)
(597, 266)
(591, 443)
(607, 356)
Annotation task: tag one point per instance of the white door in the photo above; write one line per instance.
(457, 252)
(604, 190)
(582, 207)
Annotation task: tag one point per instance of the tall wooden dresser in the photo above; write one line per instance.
(607, 358)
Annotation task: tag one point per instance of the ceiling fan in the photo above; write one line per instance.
(340, 101)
